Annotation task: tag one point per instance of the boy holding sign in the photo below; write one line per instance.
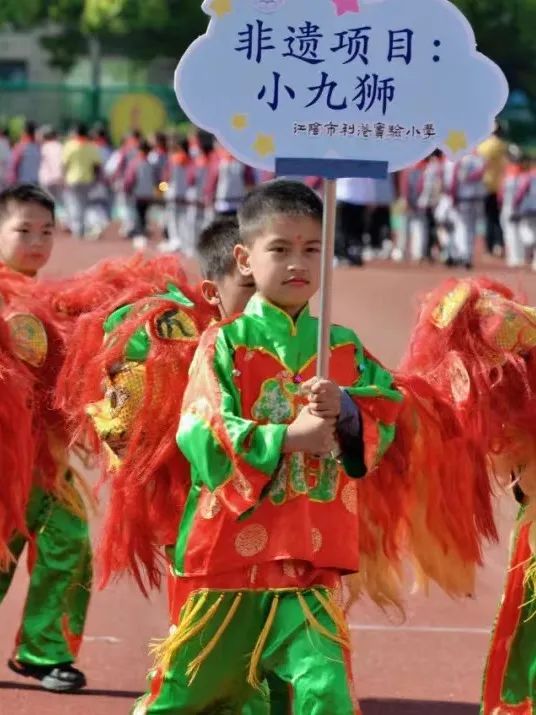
(270, 526)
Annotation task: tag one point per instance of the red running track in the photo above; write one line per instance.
(429, 665)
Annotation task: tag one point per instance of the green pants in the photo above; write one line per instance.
(60, 582)
(224, 637)
(272, 699)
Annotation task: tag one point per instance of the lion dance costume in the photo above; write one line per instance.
(478, 345)
(54, 528)
(40, 504)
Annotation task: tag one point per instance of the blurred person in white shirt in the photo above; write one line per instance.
(51, 167)
(468, 193)
(509, 215)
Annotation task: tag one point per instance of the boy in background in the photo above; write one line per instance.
(59, 547)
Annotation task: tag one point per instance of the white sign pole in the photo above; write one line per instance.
(326, 277)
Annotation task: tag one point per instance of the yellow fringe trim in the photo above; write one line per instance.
(73, 494)
(529, 582)
(253, 677)
(342, 640)
(335, 612)
(187, 608)
(188, 628)
(197, 662)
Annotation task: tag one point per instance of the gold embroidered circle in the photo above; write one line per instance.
(251, 540)
(349, 497)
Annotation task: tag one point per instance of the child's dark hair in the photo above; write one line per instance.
(215, 247)
(289, 198)
(25, 194)
(145, 147)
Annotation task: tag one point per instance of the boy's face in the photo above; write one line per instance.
(230, 293)
(26, 236)
(284, 260)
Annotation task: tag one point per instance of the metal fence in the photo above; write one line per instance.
(61, 105)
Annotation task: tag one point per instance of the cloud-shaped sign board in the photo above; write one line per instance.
(377, 80)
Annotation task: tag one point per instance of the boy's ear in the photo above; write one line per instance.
(210, 292)
(241, 254)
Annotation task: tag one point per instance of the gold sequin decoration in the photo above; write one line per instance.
(251, 540)
(113, 417)
(516, 328)
(448, 309)
(176, 325)
(29, 337)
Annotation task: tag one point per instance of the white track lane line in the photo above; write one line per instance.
(420, 629)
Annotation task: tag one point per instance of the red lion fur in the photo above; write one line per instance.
(147, 492)
(502, 380)
(16, 443)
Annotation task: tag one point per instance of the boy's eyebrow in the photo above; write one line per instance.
(283, 239)
(280, 239)
(26, 222)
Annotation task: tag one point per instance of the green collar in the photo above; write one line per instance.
(276, 318)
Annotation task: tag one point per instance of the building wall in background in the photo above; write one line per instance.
(23, 49)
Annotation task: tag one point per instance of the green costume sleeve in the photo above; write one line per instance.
(229, 454)
(139, 345)
(379, 403)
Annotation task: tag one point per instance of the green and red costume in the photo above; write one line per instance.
(55, 528)
(157, 336)
(150, 484)
(47, 512)
(265, 537)
(477, 344)
(510, 677)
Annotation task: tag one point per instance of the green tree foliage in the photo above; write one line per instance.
(20, 13)
(144, 29)
(504, 31)
(121, 17)
(140, 29)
